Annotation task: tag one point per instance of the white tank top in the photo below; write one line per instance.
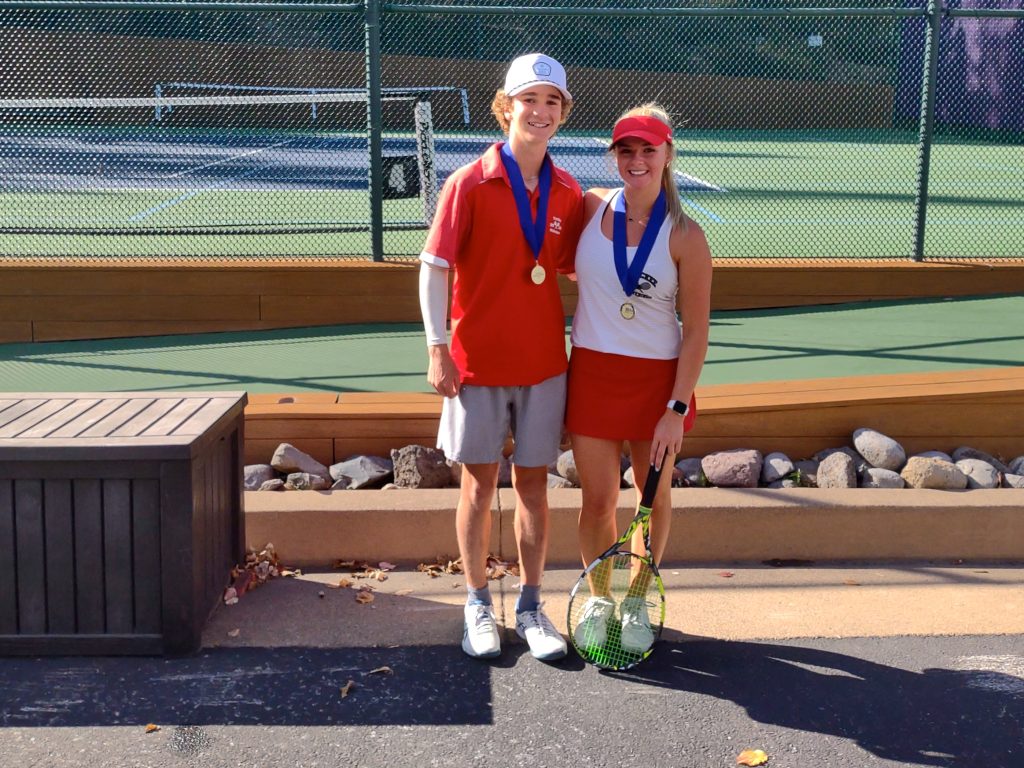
(598, 324)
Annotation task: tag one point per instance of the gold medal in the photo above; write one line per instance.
(628, 311)
(537, 274)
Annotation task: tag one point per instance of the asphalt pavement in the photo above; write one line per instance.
(852, 666)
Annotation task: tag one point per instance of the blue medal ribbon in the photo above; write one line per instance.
(629, 275)
(533, 229)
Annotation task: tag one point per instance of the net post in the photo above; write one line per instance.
(933, 21)
(374, 116)
(425, 158)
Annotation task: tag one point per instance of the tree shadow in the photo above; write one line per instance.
(936, 717)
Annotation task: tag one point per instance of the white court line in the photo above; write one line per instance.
(226, 159)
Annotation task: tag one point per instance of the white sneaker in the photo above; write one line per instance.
(480, 632)
(593, 627)
(637, 634)
(540, 634)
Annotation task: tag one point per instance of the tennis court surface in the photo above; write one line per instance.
(746, 346)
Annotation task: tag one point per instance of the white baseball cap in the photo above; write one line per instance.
(535, 69)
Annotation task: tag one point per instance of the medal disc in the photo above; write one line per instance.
(537, 274)
(627, 311)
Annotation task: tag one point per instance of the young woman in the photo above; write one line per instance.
(641, 265)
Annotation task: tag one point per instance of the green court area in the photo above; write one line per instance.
(746, 346)
(831, 194)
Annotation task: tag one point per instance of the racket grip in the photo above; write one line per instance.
(651, 486)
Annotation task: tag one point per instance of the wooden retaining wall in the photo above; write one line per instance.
(983, 408)
(44, 300)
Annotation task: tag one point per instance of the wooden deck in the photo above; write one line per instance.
(983, 408)
(43, 300)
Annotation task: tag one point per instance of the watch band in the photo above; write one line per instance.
(679, 407)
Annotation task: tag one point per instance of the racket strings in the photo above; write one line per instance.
(616, 612)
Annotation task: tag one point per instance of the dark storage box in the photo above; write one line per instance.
(120, 519)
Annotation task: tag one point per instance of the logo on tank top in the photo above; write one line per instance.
(647, 282)
(555, 228)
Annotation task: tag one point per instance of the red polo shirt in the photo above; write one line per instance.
(506, 331)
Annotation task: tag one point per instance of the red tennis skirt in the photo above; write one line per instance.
(616, 397)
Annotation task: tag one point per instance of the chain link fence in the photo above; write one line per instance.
(269, 130)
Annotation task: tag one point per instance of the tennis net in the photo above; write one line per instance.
(238, 161)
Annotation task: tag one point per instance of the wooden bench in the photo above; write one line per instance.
(983, 408)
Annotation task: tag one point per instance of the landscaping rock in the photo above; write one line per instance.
(1016, 466)
(876, 477)
(417, 466)
(775, 467)
(567, 468)
(922, 472)
(342, 483)
(363, 471)
(557, 481)
(1013, 481)
(456, 468)
(739, 468)
(504, 472)
(937, 455)
(389, 487)
(783, 483)
(277, 484)
(980, 474)
(255, 475)
(966, 452)
(808, 469)
(628, 477)
(859, 462)
(837, 470)
(692, 473)
(878, 449)
(288, 459)
(307, 481)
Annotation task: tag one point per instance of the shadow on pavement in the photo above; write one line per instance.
(428, 685)
(935, 717)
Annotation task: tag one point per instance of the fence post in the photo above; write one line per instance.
(933, 25)
(374, 117)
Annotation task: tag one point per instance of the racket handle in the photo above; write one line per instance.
(651, 486)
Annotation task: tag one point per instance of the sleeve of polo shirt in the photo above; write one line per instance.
(573, 231)
(450, 227)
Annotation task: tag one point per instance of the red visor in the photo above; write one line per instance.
(649, 129)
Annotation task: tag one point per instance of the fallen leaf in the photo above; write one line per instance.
(404, 592)
(726, 574)
(343, 583)
(234, 632)
(230, 596)
(363, 597)
(851, 583)
(386, 566)
(751, 757)
(346, 689)
(381, 671)
(152, 728)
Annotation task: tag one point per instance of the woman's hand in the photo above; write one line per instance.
(668, 438)
(442, 373)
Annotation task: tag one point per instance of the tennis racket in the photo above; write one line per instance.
(617, 607)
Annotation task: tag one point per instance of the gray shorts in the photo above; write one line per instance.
(476, 422)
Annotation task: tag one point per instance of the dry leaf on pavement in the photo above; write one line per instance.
(404, 592)
(381, 671)
(726, 574)
(152, 728)
(851, 583)
(234, 632)
(346, 689)
(751, 757)
(384, 565)
(364, 596)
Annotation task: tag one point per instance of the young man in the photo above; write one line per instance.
(506, 223)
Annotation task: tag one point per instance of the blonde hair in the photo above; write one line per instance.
(503, 103)
(674, 208)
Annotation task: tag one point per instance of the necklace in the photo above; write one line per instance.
(641, 222)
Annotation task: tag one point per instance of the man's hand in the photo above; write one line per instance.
(441, 371)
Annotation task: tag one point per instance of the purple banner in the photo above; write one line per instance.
(981, 70)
